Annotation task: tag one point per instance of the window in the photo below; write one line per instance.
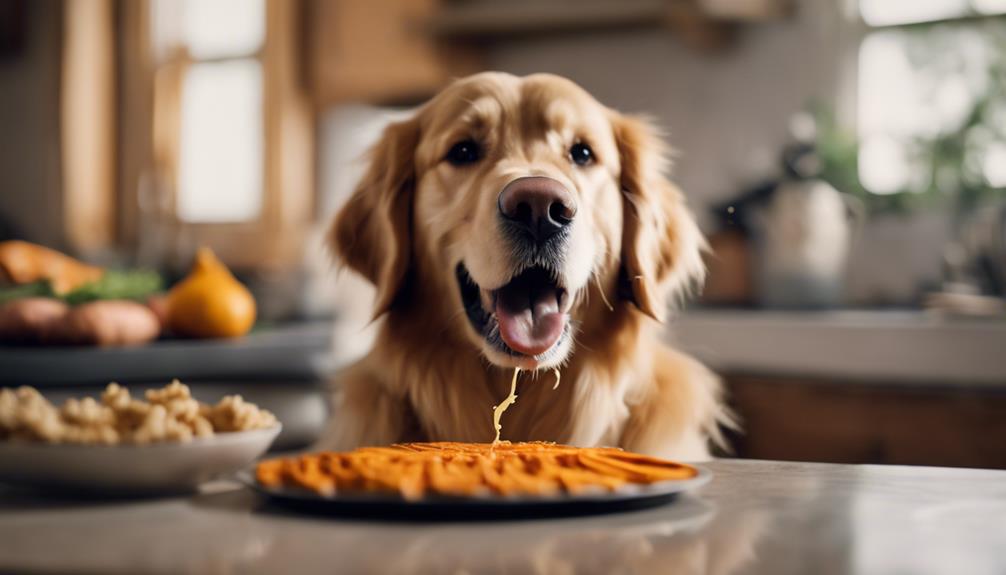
(220, 164)
(932, 97)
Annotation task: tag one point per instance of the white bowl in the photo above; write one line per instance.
(159, 467)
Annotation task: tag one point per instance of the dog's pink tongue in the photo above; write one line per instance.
(529, 323)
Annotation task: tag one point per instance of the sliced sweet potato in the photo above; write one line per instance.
(31, 320)
(24, 262)
(109, 323)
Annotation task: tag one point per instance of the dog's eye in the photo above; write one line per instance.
(581, 154)
(464, 152)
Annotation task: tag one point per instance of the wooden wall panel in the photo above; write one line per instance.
(379, 51)
(88, 124)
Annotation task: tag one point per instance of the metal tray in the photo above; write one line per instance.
(627, 498)
(293, 352)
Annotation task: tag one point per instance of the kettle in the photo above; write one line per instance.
(802, 237)
(802, 230)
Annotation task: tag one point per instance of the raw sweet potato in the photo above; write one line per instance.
(109, 323)
(31, 320)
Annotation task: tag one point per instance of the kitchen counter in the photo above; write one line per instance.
(754, 517)
(911, 347)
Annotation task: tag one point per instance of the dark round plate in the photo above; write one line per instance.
(628, 498)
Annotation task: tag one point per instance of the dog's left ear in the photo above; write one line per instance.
(372, 234)
(661, 243)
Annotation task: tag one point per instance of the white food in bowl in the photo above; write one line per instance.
(122, 445)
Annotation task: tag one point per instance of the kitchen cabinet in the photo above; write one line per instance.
(379, 52)
(858, 386)
(808, 419)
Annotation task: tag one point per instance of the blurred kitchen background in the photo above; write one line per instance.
(846, 158)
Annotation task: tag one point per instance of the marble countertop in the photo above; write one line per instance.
(754, 517)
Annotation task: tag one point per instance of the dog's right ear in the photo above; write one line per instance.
(372, 234)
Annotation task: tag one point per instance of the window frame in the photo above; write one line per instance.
(149, 157)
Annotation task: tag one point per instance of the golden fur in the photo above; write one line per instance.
(634, 247)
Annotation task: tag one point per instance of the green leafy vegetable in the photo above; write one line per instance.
(35, 289)
(134, 285)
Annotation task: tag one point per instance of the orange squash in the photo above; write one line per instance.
(210, 302)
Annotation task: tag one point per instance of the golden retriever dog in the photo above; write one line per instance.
(518, 223)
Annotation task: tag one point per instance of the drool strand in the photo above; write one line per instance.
(507, 402)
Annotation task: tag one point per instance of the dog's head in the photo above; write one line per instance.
(510, 201)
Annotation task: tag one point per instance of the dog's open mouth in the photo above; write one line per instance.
(528, 316)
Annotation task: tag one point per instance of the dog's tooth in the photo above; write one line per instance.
(545, 306)
(486, 298)
(564, 301)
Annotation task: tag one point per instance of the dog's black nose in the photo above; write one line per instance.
(537, 204)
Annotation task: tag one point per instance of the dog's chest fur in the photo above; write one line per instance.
(452, 399)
